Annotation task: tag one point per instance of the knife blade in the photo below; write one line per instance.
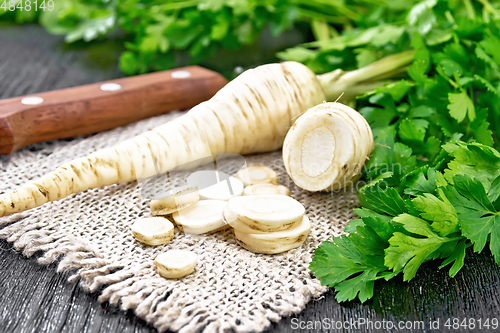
(102, 106)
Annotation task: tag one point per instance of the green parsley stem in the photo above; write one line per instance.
(489, 8)
(470, 9)
(359, 81)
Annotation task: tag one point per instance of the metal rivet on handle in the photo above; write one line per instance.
(34, 100)
(180, 74)
(110, 87)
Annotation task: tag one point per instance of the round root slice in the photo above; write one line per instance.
(202, 217)
(258, 174)
(177, 199)
(175, 264)
(263, 213)
(326, 147)
(153, 230)
(259, 189)
(275, 242)
(215, 185)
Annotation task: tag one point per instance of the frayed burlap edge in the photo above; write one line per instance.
(231, 289)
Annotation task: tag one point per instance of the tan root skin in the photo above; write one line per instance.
(177, 200)
(327, 147)
(251, 114)
(153, 231)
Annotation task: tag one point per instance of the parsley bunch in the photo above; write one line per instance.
(432, 214)
(433, 180)
(157, 34)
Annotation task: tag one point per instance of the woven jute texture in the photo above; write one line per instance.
(89, 234)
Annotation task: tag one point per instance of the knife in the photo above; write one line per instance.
(102, 106)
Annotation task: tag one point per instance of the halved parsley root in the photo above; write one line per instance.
(327, 147)
(251, 114)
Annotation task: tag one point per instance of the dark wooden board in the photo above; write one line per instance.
(34, 298)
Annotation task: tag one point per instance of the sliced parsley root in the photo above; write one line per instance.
(437, 215)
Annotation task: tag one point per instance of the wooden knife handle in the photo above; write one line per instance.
(102, 106)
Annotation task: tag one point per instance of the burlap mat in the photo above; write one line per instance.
(89, 234)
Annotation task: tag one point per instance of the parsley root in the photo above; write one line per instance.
(251, 114)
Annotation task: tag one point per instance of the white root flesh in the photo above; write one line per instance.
(215, 185)
(275, 242)
(251, 114)
(327, 147)
(263, 213)
(259, 189)
(177, 199)
(153, 230)
(258, 174)
(175, 264)
(203, 217)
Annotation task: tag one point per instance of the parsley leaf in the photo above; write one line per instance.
(422, 184)
(460, 106)
(359, 255)
(456, 257)
(438, 210)
(475, 160)
(479, 220)
(406, 253)
(386, 201)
